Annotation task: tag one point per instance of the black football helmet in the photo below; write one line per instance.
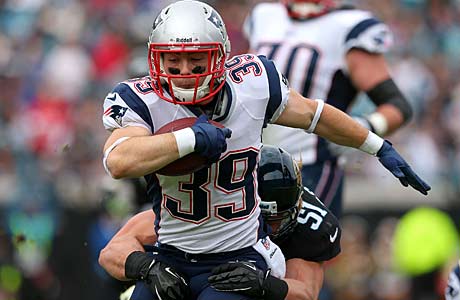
(280, 189)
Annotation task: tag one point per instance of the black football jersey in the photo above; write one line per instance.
(317, 234)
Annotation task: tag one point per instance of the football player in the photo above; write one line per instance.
(212, 215)
(306, 231)
(453, 285)
(331, 53)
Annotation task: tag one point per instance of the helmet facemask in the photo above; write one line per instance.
(282, 222)
(207, 83)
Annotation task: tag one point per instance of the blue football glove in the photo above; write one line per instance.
(391, 160)
(210, 141)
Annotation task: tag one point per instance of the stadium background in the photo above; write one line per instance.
(59, 58)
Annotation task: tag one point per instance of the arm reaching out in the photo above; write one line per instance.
(138, 231)
(338, 127)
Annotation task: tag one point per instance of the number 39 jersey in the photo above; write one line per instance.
(311, 54)
(217, 208)
(317, 234)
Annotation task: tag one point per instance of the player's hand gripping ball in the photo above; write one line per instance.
(210, 143)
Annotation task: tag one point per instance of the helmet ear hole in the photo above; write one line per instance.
(280, 189)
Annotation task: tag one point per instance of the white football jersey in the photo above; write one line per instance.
(311, 54)
(214, 209)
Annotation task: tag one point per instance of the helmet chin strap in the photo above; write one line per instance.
(187, 94)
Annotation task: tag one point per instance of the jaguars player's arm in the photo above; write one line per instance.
(304, 279)
(138, 231)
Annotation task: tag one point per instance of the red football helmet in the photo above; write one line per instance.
(304, 9)
(184, 27)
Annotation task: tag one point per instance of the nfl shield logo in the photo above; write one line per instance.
(266, 243)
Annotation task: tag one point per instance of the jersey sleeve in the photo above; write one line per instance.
(370, 35)
(278, 87)
(317, 235)
(123, 108)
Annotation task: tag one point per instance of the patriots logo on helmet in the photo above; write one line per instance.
(116, 112)
(157, 21)
(214, 18)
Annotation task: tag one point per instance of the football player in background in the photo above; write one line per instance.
(331, 53)
(212, 214)
(453, 285)
(305, 230)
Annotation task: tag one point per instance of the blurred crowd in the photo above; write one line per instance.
(58, 208)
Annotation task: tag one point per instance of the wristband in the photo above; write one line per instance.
(319, 110)
(372, 144)
(185, 139)
(378, 123)
(137, 265)
(275, 288)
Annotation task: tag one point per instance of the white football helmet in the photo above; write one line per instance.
(188, 26)
(304, 9)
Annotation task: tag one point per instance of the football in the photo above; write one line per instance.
(189, 163)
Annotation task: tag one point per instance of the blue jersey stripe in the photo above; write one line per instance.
(134, 102)
(360, 28)
(274, 87)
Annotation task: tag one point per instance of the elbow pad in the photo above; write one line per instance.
(386, 92)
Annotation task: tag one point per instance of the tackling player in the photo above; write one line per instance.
(331, 53)
(212, 214)
(306, 231)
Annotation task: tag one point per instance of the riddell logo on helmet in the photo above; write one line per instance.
(183, 40)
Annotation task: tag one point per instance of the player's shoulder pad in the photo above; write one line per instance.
(320, 226)
(364, 31)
